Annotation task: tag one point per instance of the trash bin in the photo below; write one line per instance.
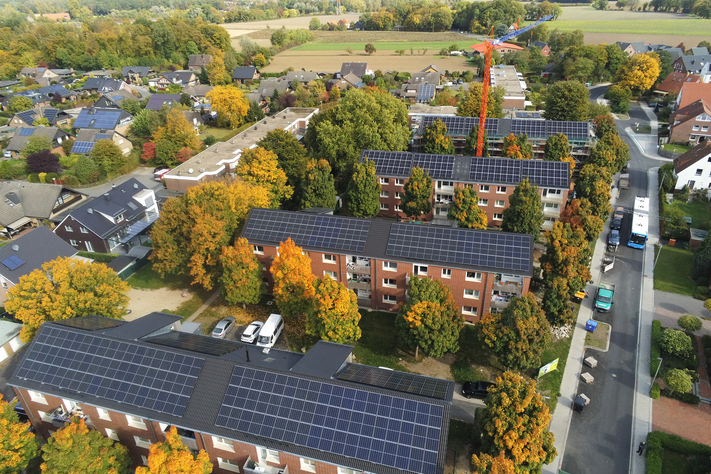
(591, 325)
(579, 404)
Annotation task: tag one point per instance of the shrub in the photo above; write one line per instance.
(702, 281)
(690, 323)
(70, 180)
(676, 344)
(656, 391)
(678, 380)
(701, 293)
(658, 441)
(683, 195)
(33, 178)
(689, 398)
(210, 140)
(656, 351)
(98, 257)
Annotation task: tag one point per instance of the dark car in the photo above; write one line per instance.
(613, 238)
(476, 389)
(616, 223)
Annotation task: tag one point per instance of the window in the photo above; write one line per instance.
(3, 283)
(445, 184)
(419, 269)
(111, 434)
(258, 249)
(691, 184)
(483, 202)
(268, 455)
(699, 172)
(333, 275)
(472, 294)
(499, 203)
(343, 470)
(696, 128)
(399, 182)
(553, 192)
(469, 310)
(398, 208)
(390, 266)
(704, 129)
(501, 189)
(142, 442)
(389, 282)
(389, 299)
(329, 258)
(104, 414)
(121, 141)
(119, 218)
(223, 443)
(144, 460)
(83, 230)
(384, 180)
(308, 465)
(68, 228)
(484, 188)
(692, 137)
(136, 422)
(384, 194)
(89, 246)
(37, 397)
(73, 242)
(398, 195)
(228, 465)
(551, 206)
(446, 273)
(498, 217)
(384, 207)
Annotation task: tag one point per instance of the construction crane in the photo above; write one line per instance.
(488, 50)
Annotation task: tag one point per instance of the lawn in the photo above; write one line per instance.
(549, 385)
(599, 338)
(432, 46)
(224, 134)
(671, 273)
(689, 27)
(677, 463)
(187, 307)
(475, 361)
(148, 279)
(378, 345)
(699, 212)
(676, 148)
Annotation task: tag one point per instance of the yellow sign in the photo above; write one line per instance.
(549, 367)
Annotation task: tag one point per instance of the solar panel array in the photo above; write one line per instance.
(26, 132)
(400, 163)
(461, 125)
(50, 114)
(27, 116)
(393, 380)
(117, 97)
(82, 147)
(90, 323)
(546, 128)
(425, 92)
(12, 262)
(195, 342)
(532, 128)
(509, 171)
(510, 252)
(383, 429)
(102, 137)
(100, 119)
(114, 370)
(546, 173)
(307, 230)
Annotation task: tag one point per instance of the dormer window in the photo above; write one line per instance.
(119, 218)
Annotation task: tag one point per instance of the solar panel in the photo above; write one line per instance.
(461, 125)
(84, 120)
(82, 147)
(51, 114)
(102, 137)
(504, 251)
(425, 92)
(27, 116)
(398, 381)
(547, 173)
(573, 130)
(437, 166)
(90, 323)
(12, 262)
(106, 368)
(117, 97)
(307, 230)
(532, 128)
(400, 163)
(495, 170)
(195, 343)
(26, 132)
(383, 429)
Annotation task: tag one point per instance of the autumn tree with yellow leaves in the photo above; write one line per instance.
(567, 256)
(334, 315)
(173, 457)
(435, 139)
(192, 229)
(466, 211)
(293, 280)
(261, 167)
(639, 72)
(241, 279)
(17, 445)
(178, 131)
(230, 105)
(417, 194)
(77, 449)
(517, 147)
(66, 288)
(514, 427)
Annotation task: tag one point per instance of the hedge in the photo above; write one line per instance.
(98, 257)
(658, 441)
(689, 398)
(656, 391)
(656, 349)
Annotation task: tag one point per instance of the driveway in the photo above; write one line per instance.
(668, 307)
(142, 174)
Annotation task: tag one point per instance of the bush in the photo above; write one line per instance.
(676, 344)
(209, 140)
(33, 178)
(98, 257)
(70, 180)
(655, 392)
(678, 380)
(701, 293)
(658, 441)
(690, 323)
(689, 398)
(656, 349)
(683, 195)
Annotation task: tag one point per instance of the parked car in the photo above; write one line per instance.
(7, 154)
(476, 389)
(617, 217)
(223, 327)
(251, 332)
(613, 238)
(160, 172)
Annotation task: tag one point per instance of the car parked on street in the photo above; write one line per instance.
(476, 389)
(617, 217)
(613, 238)
(223, 327)
(251, 332)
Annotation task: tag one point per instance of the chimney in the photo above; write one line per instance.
(247, 352)
(106, 195)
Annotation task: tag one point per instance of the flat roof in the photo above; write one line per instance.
(212, 161)
(506, 77)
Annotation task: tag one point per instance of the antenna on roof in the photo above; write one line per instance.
(90, 211)
(15, 247)
(135, 185)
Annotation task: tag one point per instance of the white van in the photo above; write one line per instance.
(270, 331)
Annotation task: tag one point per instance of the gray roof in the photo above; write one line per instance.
(354, 68)
(323, 360)
(8, 331)
(22, 199)
(142, 71)
(539, 44)
(199, 59)
(154, 323)
(638, 46)
(244, 72)
(699, 50)
(18, 142)
(200, 90)
(157, 101)
(35, 249)
(268, 86)
(302, 76)
(425, 78)
(103, 85)
(694, 64)
(114, 99)
(178, 77)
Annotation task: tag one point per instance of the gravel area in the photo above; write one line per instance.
(144, 302)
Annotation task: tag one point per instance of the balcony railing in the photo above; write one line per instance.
(359, 285)
(500, 301)
(508, 288)
(60, 416)
(361, 269)
(251, 467)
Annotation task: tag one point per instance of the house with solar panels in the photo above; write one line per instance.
(114, 99)
(101, 86)
(23, 133)
(252, 411)
(58, 93)
(376, 258)
(111, 222)
(55, 117)
(415, 93)
(182, 78)
(109, 119)
(87, 137)
(494, 180)
(135, 74)
(581, 135)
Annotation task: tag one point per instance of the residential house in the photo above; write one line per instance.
(10, 341)
(198, 94)
(114, 100)
(135, 74)
(157, 101)
(222, 158)
(38, 99)
(106, 222)
(28, 253)
(632, 48)
(102, 86)
(24, 204)
(358, 69)
(195, 119)
(432, 78)
(64, 73)
(433, 68)
(494, 179)
(87, 137)
(267, 87)
(673, 82)
(351, 80)
(64, 16)
(694, 65)
(100, 73)
(182, 78)
(243, 74)
(690, 125)
(55, 117)
(197, 62)
(58, 93)
(251, 411)
(376, 258)
(257, 98)
(304, 77)
(104, 119)
(545, 49)
(691, 92)
(513, 84)
(501, 48)
(693, 168)
(23, 134)
(415, 93)
(42, 75)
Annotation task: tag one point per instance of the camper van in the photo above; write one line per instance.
(270, 331)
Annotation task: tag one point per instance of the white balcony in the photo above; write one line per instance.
(251, 467)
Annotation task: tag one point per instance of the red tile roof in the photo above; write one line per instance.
(480, 47)
(691, 92)
(675, 80)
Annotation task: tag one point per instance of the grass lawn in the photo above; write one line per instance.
(672, 271)
(378, 345)
(2, 244)
(676, 148)
(224, 134)
(549, 385)
(380, 46)
(691, 26)
(676, 463)
(475, 361)
(148, 279)
(642, 129)
(599, 338)
(700, 213)
(188, 307)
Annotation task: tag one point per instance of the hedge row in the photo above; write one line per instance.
(658, 441)
(656, 349)
(98, 257)
(689, 398)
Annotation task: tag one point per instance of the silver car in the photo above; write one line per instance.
(223, 327)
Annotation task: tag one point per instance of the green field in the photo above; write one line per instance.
(690, 27)
(672, 271)
(384, 46)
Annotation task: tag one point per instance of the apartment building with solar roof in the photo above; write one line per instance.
(494, 180)
(376, 258)
(580, 135)
(252, 411)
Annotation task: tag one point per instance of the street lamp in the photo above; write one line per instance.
(659, 247)
(656, 373)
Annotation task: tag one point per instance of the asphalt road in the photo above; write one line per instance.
(599, 438)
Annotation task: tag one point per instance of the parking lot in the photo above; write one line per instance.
(236, 331)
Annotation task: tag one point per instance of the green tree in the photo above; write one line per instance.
(430, 319)
(318, 189)
(417, 196)
(679, 381)
(676, 343)
(519, 334)
(76, 448)
(603, 125)
(514, 426)
(435, 139)
(690, 323)
(19, 103)
(87, 170)
(556, 303)
(701, 266)
(567, 256)
(465, 209)
(279, 38)
(17, 445)
(315, 24)
(146, 122)
(579, 214)
(525, 212)
(471, 142)
(108, 156)
(293, 281)
(557, 147)
(241, 279)
(619, 98)
(36, 145)
(66, 288)
(363, 190)
(594, 185)
(369, 48)
(334, 314)
(615, 58)
(470, 105)
(568, 101)
(291, 156)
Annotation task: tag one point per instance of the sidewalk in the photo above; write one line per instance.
(647, 144)
(204, 306)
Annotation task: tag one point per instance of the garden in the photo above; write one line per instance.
(671, 454)
(674, 360)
